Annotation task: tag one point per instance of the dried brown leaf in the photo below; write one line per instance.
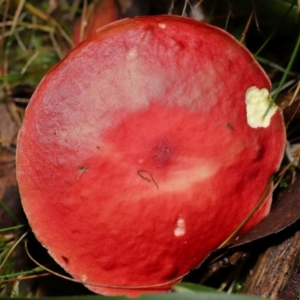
(8, 128)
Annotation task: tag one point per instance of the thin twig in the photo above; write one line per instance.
(259, 203)
(102, 285)
(12, 249)
(247, 27)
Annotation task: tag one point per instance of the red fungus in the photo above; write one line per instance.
(144, 149)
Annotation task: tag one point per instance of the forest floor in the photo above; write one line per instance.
(36, 35)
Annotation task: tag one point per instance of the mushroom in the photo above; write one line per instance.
(144, 149)
(98, 14)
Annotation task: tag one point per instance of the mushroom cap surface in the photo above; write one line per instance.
(136, 159)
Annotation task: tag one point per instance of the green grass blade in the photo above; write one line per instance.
(11, 228)
(288, 68)
(275, 30)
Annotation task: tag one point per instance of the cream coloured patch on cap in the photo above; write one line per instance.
(162, 25)
(259, 107)
(180, 228)
(191, 171)
(132, 54)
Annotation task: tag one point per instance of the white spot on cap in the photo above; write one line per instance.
(132, 54)
(180, 228)
(83, 278)
(162, 25)
(259, 107)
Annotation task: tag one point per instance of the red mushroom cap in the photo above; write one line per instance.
(136, 157)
